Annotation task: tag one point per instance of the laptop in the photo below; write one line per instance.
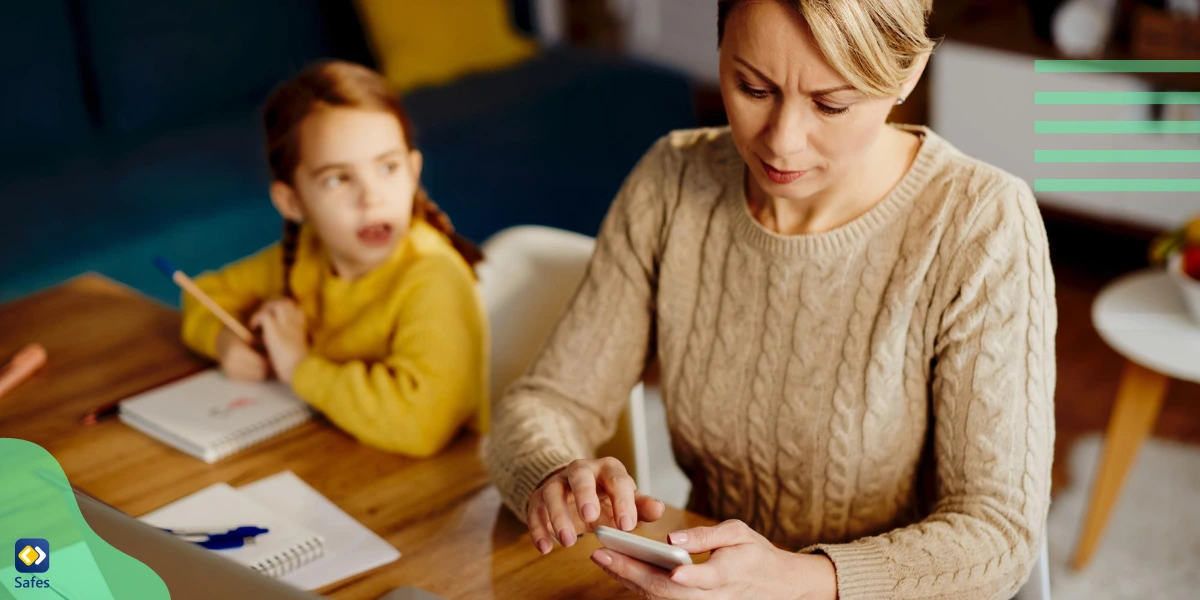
(191, 572)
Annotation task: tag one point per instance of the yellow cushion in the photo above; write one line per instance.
(424, 42)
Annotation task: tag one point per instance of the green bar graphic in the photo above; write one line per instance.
(1111, 127)
(1116, 185)
(1117, 66)
(1116, 97)
(1117, 156)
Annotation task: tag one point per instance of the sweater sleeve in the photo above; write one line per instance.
(993, 419)
(239, 289)
(432, 381)
(569, 402)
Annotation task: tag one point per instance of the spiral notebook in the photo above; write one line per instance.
(210, 416)
(287, 545)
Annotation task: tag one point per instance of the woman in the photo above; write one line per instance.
(855, 323)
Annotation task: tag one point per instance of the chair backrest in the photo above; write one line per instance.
(529, 277)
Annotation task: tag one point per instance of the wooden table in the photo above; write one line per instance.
(106, 342)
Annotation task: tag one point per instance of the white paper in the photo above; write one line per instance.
(350, 548)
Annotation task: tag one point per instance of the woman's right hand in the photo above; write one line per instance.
(239, 361)
(582, 496)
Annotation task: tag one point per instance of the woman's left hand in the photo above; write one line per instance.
(743, 564)
(284, 334)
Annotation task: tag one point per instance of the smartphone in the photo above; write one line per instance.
(644, 549)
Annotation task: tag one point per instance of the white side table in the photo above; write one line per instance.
(1143, 318)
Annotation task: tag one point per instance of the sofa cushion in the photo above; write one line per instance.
(424, 43)
(43, 102)
(163, 63)
(547, 142)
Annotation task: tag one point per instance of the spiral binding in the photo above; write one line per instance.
(245, 437)
(291, 559)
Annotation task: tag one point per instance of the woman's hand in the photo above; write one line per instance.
(582, 496)
(284, 334)
(239, 361)
(743, 564)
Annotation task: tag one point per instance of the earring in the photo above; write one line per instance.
(900, 100)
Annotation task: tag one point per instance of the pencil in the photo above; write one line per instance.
(23, 364)
(182, 280)
(101, 412)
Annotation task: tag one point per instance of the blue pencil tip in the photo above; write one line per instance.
(165, 266)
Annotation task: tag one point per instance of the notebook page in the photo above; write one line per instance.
(219, 507)
(350, 548)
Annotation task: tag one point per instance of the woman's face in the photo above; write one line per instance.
(798, 125)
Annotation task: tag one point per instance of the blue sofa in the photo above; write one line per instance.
(132, 130)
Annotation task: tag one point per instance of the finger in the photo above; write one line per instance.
(604, 560)
(256, 320)
(705, 539)
(535, 516)
(262, 366)
(621, 488)
(555, 496)
(583, 485)
(649, 509)
(706, 576)
(644, 578)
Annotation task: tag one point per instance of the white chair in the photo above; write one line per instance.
(529, 276)
(1038, 585)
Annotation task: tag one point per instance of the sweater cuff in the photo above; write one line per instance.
(312, 374)
(862, 569)
(521, 482)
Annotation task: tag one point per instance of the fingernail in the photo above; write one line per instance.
(677, 538)
(662, 505)
(543, 546)
(590, 512)
(627, 523)
(566, 537)
(602, 558)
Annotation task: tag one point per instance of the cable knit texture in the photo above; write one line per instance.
(880, 393)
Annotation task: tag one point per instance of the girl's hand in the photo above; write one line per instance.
(743, 564)
(284, 334)
(239, 361)
(582, 496)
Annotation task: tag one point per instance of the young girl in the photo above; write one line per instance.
(367, 308)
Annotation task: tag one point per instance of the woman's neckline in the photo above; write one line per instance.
(849, 233)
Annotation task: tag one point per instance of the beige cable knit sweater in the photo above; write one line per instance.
(881, 392)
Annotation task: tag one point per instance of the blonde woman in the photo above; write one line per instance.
(855, 323)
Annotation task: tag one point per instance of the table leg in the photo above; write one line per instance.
(1139, 398)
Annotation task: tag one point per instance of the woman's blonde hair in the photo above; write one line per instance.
(873, 44)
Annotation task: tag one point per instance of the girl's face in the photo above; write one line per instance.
(355, 184)
(795, 121)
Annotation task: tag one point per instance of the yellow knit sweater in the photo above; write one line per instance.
(398, 357)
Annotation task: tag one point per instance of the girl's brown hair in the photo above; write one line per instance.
(338, 83)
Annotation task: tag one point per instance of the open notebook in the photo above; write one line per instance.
(210, 416)
(285, 547)
(312, 543)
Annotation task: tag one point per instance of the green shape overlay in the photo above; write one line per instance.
(36, 501)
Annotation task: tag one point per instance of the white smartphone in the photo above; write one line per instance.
(643, 549)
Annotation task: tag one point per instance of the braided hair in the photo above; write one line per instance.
(345, 84)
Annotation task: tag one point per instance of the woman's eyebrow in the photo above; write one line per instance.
(760, 74)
